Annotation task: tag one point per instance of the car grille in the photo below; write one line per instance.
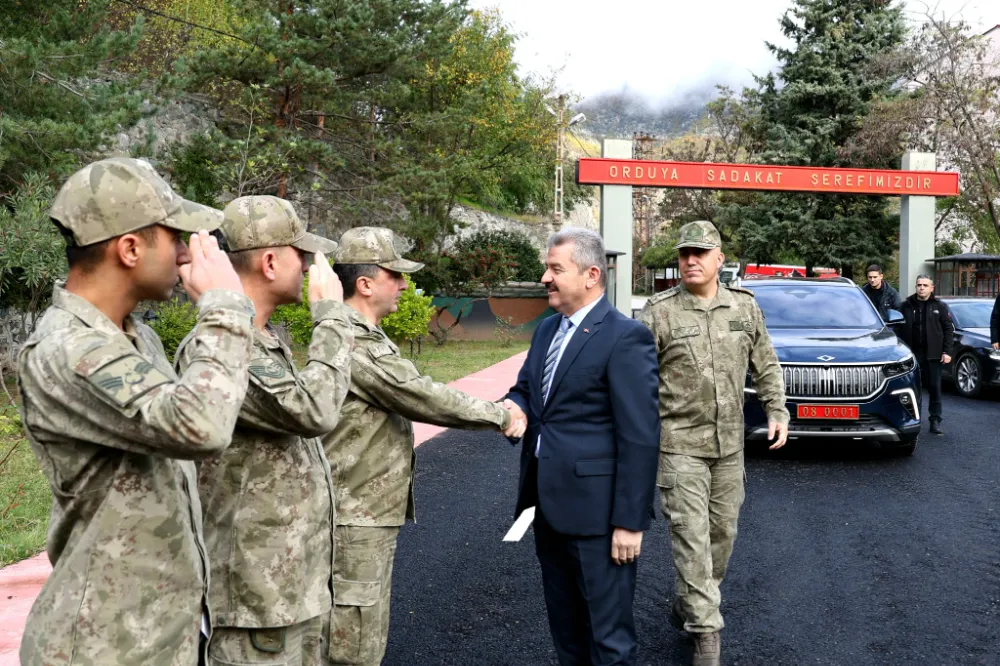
(839, 381)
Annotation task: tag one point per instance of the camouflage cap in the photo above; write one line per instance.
(264, 221)
(699, 234)
(120, 195)
(373, 245)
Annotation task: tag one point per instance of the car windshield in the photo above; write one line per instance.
(975, 314)
(816, 306)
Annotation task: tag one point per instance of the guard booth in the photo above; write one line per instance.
(966, 275)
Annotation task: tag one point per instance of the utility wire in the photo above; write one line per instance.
(579, 143)
(147, 10)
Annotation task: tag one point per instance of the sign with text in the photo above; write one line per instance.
(706, 175)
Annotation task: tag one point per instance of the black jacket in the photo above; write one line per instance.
(884, 299)
(995, 322)
(940, 328)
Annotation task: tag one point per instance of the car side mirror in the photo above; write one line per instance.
(895, 318)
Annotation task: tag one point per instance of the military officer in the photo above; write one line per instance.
(114, 429)
(706, 335)
(371, 449)
(268, 498)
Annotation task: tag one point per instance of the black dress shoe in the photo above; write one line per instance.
(936, 428)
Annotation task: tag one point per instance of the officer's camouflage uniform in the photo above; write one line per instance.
(113, 429)
(268, 498)
(372, 458)
(704, 350)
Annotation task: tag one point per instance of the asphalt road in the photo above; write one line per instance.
(843, 557)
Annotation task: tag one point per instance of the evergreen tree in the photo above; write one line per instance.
(827, 83)
(382, 112)
(57, 108)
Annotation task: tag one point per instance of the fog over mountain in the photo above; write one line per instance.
(623, 113)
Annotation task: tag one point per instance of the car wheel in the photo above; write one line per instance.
(968, 375)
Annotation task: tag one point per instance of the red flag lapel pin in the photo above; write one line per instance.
(586, 330)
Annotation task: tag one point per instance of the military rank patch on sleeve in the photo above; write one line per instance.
(270, 372)
(126, 379)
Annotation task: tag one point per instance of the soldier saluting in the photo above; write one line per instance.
(268, 498)
(706, 337)
(114, 429)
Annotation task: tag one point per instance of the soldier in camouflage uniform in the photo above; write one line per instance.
(114, 429)
(371, 449)
(706, 336)
(268, 498)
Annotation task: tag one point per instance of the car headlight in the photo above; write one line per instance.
(899, 368)
(994, 354)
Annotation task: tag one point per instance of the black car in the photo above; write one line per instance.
(847, 376)
(974, 364)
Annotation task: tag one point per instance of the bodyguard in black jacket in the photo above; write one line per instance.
(929, 332)
(880, 292)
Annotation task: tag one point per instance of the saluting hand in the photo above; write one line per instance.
(209, 269)
(323, 282)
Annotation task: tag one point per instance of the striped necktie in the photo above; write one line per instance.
(553, 355)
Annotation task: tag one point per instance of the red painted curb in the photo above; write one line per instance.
(20, 583)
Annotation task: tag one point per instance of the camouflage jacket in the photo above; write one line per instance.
(371, 449)
(704, 350)
(268, 498)
(109, 422)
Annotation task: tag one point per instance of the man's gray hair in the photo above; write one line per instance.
(925, 277)
(588, 249)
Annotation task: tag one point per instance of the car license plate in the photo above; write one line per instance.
(828, 412)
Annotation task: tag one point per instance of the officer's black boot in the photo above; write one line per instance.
(936, 427)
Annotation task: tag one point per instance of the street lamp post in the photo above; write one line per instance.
(561, 127)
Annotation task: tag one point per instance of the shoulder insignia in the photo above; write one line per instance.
(127, 378)
(663, 295)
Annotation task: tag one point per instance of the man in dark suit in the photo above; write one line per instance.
(589, 455)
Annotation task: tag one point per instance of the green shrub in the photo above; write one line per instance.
(174, 320)
(523, 254)
(10, 421)
(193, 170)
(412, 318)
(296, 318)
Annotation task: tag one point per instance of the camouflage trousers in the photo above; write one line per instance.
(357, 628)
(297, 645)
(702, 498)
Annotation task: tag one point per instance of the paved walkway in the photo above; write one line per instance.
(21, 582)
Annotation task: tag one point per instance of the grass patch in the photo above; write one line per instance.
(25, 498)
(458, 358)
(454, 360)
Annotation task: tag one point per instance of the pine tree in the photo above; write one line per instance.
(58, 105)
(384, 112)
(827, 83)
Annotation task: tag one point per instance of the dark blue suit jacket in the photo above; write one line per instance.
(600, 427)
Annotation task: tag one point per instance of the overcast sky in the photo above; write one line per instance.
(665, 50)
